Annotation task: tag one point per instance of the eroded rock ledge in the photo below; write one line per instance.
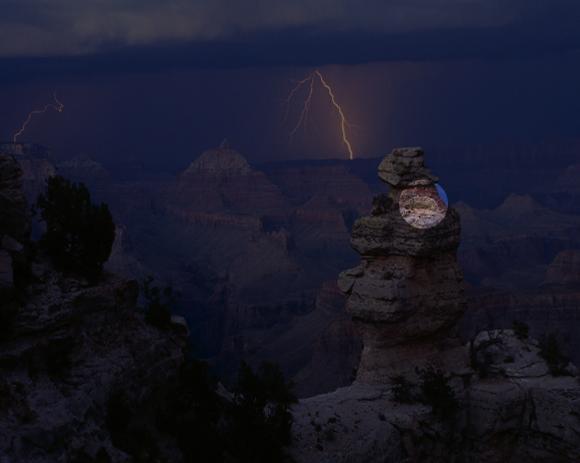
(66, 347)
(406, 298)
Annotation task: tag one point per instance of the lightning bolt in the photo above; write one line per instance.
(306, 108)
(310, 80)
(57, 106)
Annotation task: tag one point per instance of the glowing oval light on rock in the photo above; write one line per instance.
(423, 206)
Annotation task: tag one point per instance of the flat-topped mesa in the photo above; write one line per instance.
(407, 294)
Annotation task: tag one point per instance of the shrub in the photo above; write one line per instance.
(191, 413)
(259, 418)
(252, 426)
(521, 330)
(403, 390)
(550, 351)
(158, 304)
(482, 359)
(436, 392)
(57, 357)
(79, 234)
(134, 439)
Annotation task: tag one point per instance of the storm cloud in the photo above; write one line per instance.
(43, 28)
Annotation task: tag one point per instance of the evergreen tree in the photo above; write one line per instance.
(79, 234)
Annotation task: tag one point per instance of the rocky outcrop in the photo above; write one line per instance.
(550, 309)
(422, 395)
(407, 293)
(67, 349)
(14, 226)
(515, 412)
(403, 167)
(70, 349)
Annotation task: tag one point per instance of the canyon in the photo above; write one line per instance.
(253, 251)
(254, 256)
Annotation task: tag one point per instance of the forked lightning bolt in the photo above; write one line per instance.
(57, 106)
(310, 80)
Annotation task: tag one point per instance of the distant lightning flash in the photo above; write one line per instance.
(57, 106)
(310, 80)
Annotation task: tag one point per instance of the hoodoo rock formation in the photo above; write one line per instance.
(407, 294)
(421, 394)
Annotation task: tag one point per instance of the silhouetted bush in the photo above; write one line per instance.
(134, 439)
(79, 234)
(550, 351)
(521, 330)
(436, 392)
(259, 418)
(158, 304)
(57, 357)
(403, 390)
(83, 457)
(5, 395)
(482, 363)
(251, 424)
(8, 310)
(118, 418)
(191, 413)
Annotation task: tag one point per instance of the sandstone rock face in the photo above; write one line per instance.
(407, 293)
(336, 351)
(71, 347)
(403, 167)
(504, 403)
(516, 412)
(222, 180)
(510, 246)
(549, 309)
(14, 225)
(66, 349)
(222, 161)
(564, 269)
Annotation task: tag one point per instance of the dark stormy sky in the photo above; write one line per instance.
(161, 80)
